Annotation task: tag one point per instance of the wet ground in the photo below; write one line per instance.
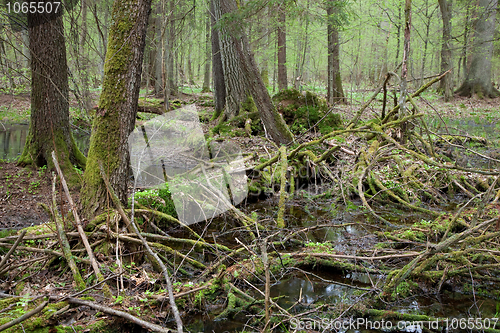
(23, 188)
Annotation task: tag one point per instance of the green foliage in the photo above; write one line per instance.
(158, 199)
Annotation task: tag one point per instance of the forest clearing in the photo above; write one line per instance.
(335, 195)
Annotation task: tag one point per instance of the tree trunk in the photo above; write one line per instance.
(115, 117)
(49, 127)
(242, 77)
(217, 71)
(335, 92)
(281, 32)
(478, 80)
(236, 90)
(445, 85)
(206, 76)
(158, 59)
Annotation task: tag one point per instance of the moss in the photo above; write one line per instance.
(41, 229)
(108, 130)
(303, 111)
(405, 289)
(158, 199)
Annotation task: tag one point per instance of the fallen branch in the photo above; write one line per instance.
(63, 240)
(124, 315)
(12, 249)
(131, 223)
(24, 316)
(93, 261)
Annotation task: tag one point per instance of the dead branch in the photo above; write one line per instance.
(131, 223)
(24, 316)
(63, 240)
(124, 315)
(12, 249)
(79, 227)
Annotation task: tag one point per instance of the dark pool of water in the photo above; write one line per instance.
(13, 138)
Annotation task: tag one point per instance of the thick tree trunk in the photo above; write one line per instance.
(49, 127)
(206, 76)
(478, 80)
(115, 117)
(242, 78)
(445, 85)
(217, 71)
(335, 92)
(281, 32)
(236, 90)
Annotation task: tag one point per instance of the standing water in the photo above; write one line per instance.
(13, 138)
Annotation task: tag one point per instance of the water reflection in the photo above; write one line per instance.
(13, 138)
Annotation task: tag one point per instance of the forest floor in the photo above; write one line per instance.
(434, 249)
(21, 189)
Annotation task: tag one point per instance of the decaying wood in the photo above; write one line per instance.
(24, 316)
(79, 227)
(4, 260)
(124, 315)
(153, 254)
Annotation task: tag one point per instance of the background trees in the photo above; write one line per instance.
(478, 79)
(289, 40)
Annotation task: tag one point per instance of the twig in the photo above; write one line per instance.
(118, 206)
(12, 249)
(125, 315)
(79, 227)
(24, 316)
(265, 262)
(89, 288)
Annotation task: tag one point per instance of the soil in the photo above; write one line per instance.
(21, 189)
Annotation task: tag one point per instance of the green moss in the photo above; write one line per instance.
(405, 289)
(42, 229)
(303, 111)
(158, 199)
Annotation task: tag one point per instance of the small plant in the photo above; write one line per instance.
(42, 170)
(118, 299)
(34, 185)
(77, 170)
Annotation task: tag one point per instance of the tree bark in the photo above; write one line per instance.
(281, 32)
(478, 81)
(335, 92)
(115, 117)
(242, 78)
(229, 36)
(445, 85)
(49, 126)
(217, 70)
(206, 76)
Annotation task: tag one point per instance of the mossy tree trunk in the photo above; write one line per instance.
(49, 126)
(478, 80)
(115, 117)
(335, 92)
(242, 78)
